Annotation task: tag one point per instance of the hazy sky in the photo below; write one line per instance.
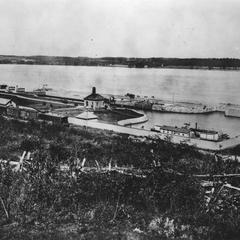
(130, 28)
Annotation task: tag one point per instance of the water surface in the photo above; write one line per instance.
(211, 86)
(204, 86)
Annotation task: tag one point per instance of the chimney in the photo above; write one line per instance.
(94, 90)
(196, 125)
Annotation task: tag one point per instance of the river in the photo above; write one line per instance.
(206, 86)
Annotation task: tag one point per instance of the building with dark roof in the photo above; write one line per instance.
(94, 100)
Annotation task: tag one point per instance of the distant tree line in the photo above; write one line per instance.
(205, 63)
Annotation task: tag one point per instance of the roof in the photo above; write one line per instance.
(28, 108)
(4, 101)
(174, 129)
(87, 116)
(94, 97)
(53, 115)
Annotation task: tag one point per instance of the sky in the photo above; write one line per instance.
(127, 28)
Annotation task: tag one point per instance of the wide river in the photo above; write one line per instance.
(181, 84)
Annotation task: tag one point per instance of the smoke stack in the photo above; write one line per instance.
(196, 125)
(94, 90)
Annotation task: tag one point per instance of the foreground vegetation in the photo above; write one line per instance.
(44, 202)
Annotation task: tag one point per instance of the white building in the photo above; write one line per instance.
(20, 89)
(209, 135)
(94, 101)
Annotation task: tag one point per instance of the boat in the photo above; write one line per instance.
(203, 134)
(39, 92)
(42, 91)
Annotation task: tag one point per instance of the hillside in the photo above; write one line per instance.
(124, 188)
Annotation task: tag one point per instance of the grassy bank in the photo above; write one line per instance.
(43, 202)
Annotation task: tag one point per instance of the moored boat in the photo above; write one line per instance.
(186, 132)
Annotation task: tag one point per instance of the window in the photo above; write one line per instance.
(86, 103)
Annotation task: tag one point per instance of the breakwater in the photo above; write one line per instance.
(131, 121)
(144, 103)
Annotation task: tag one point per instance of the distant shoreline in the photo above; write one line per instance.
(231, 64)
(125, 66)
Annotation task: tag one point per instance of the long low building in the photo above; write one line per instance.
(53, 118)
(184, 132)
(22, 112)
